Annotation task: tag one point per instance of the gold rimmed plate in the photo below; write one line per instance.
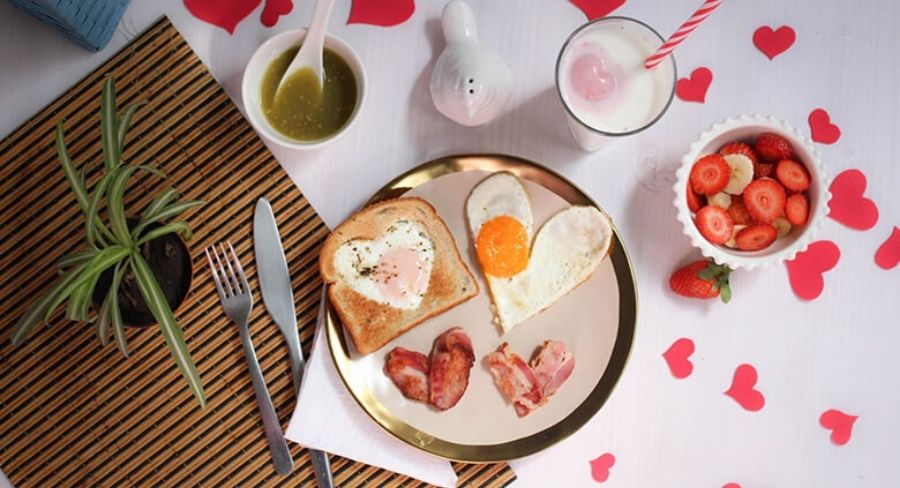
(596, 320)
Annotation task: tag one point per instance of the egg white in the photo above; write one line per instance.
(499, 194)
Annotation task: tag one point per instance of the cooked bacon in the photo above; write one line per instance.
(452, 358)
(515, 379)
(409, 371)
(552, 365)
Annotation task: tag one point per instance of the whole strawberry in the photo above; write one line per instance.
(702, 279)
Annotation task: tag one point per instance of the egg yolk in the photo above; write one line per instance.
(502, 247)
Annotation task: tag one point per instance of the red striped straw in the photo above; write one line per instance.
(682, 32)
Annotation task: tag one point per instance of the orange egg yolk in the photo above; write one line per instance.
(502, 247)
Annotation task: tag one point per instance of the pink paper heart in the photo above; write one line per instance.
(595, 9)
(731, 485)
(226, 14)
(274, 9)
(600, 467)
(772, 43)
(677, 357)
(839, 423)
(888, 254)
(848, 205)
(805, 271)
(694, 89)
(821, 127)
(742, 389)
(384, 13)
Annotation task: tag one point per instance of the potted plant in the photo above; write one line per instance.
(136, 268)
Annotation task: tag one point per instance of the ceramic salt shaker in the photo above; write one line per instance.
(470, 82)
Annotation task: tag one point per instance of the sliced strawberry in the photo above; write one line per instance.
(714, 224)
(796, 208)
(756, 237)
(739, 148)
(695, 201)
(772, 148)
(763, 170)
(764, 199)
(710, 174)
(738, 211)
(792, 175)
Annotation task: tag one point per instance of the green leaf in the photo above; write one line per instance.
(166, 213)
(97, 265)
(108, 131)
(116, 205)
(158, 204)
(725, 292)
(124, 122)
(38, 309)
(156, 302)
(75, 258)
(178, 226)
(115, 314)
(92, 221)
(103, 320)
(151, 170)
(78, 308)
(72, 176)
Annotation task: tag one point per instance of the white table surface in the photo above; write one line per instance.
(835, 352)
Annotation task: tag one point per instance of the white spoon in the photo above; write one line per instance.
(310, 53)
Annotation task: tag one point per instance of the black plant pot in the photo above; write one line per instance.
(170, 260)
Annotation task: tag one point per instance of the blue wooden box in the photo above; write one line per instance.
(90, 23)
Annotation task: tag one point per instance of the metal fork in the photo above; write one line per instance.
(237, 300)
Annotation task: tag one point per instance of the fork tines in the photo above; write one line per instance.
(234, 283)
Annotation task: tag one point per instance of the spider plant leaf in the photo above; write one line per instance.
(72, 176)
(92, 222)
(73, 259)
(109, 134)
(158, 203)
(151, 170)
(38, 309)
(123, 124)
(78, 308)
(168, 212)
(115, 314)
(159, 307)
(116, 205)
(178, 226)
(93, 268)
(103, 320)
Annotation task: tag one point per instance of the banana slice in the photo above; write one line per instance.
(721, 200)
(741, 173)
(732, 243)
(783, 227)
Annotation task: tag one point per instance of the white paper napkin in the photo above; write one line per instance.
(328, 418)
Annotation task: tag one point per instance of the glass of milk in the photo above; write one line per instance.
(602, 82)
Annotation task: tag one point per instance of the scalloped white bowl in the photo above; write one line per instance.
(746, 128)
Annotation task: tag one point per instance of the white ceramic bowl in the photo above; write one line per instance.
(252, 82)
(746, 128)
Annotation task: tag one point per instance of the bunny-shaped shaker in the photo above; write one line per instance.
(470, 82)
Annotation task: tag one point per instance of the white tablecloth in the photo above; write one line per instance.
(836, 352)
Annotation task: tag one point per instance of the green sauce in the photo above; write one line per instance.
(303, 110)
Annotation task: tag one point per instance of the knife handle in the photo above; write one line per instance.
(322, 468)
(281, 455)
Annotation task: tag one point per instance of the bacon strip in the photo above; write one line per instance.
(409, 371)
(552, 365)
(452, 358)
(515, 379)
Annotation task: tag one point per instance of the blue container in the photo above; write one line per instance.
(90, 23)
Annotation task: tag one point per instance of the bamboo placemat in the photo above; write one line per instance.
(73, 413)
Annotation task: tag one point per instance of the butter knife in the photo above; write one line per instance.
(278, 296)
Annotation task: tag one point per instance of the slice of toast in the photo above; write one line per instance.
(373, 324)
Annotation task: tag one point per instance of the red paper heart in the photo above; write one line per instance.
(840, 424)
(888, 254)
(677, 357)
(693, 89)
(226, 14)
(600, 467)
(821, 127)
(772, 43)
(742, 390)
(274, 9)
(806, 269)
(731, 485)
(848, 205)
(594, 9)
(385, 13)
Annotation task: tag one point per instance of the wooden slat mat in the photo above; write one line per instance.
(73, 413)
